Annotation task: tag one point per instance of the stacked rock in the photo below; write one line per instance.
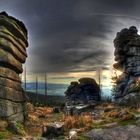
(84, 92)
(127, 55)
(13, 43)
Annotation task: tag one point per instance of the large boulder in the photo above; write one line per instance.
(80, 95)
(128, 132)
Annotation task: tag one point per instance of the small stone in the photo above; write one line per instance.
(137, 116)
(53, 130)
(56, 110)
(72, 133)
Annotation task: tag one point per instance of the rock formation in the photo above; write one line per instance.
(13, 43)
(85, 92)
(126, 132)
(127, 56)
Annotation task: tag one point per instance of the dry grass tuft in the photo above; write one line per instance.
(138, 108)
(113, 114)
(77, 121)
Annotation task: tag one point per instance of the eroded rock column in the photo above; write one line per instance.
(127, 56)
(13, 44)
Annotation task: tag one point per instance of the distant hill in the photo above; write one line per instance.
(58, 89)
(53, 89)
(55, 100)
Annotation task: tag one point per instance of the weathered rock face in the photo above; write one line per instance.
(13, 43)
(85, 92)
(128, 132)
(127, 56)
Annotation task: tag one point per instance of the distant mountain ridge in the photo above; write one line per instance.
(52, 88)
(57, 89)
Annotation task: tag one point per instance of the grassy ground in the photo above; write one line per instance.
(5, 134)
(107, 113)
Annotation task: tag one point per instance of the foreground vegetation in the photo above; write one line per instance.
(105, 115)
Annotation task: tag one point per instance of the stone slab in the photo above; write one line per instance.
(14, 40)
(8, 46)
(9, 74)
(10, 25)
(7, 93)
(7, 59)
(11, 84)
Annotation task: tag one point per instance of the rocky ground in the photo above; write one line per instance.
(105, 122)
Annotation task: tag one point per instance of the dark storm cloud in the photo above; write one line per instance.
(70, 35)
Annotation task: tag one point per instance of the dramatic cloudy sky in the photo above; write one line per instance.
(68, 36)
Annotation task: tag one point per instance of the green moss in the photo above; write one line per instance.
(118, 120)
(127, 122)
(61, 138)
(20, 128)
(82, 137)
(96, 125)
(100, 124)
(5, 134)
(2, 53)
(17, 128)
